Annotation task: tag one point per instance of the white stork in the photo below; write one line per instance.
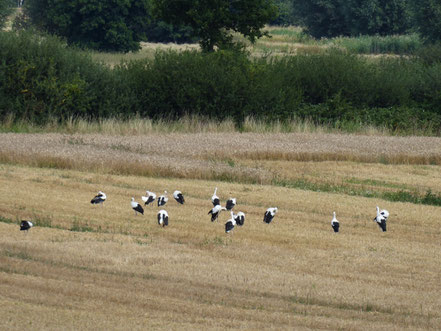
(231, 223)
(269, 215)
(162, 200)
(239, 218)
(215, 199)
(26, 225)
(136, 207)
(149, 198)
(179, 197)
(163, 218)
(381, 218)
(99, 198)
(335, 223)
(215, 212)
(231, 202)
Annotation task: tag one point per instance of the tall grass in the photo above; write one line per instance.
(192, 124)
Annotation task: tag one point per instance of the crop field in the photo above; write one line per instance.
(102, 267)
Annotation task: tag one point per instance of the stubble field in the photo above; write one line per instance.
(85, 266)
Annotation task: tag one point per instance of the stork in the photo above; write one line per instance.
(179, 197)
(26, 225)
(136, 207)
(231, 223)
(215, 212)
(231, 202)
(335, 223)
(162, 200)
(99, 198)
(269, 215)
(239, 218)
(148, 198)
(381, 218)
(215, 199)
(162, 218)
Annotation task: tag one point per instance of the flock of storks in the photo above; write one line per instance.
(236, 219)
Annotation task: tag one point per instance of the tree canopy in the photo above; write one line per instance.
(428, 19)
(214, 20)
(331, 18)
(113, 25)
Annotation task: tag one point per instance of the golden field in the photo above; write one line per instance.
(102, 267)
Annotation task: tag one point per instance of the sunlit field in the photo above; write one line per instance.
(103, 267)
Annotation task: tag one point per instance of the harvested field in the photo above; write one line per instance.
(85, 266)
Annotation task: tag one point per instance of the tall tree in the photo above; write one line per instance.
(428, 19)
(330, 18)
(214, 20)
(112, 25)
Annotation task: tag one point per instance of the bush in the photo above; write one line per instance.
(41, 79)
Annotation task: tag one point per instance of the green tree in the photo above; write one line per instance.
(330, 18)
(113, 25)
(214, 20)
(6, 9)
(428, 19)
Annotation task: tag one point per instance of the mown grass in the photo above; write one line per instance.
(293, 273)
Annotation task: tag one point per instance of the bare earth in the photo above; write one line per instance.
(102, 267)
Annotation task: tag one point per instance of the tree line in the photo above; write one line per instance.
(119, 25)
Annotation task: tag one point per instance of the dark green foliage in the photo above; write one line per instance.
(6, 8)
(286, 14)
(330, 18)
(427, 15)
(114, 25)
(213, 20)
(41, 79)
(162, 32)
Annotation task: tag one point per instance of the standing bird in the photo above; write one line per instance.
(215, 199)
(269, 215)
(239, 218)
(231, 202)
(229, 226)
(149, 198)
(381, 218)
(162, 200)
(179, 197)
(163, 218)
(136, 207)
(335, 223)
(99, 198)
(25, 225)
(215, 212)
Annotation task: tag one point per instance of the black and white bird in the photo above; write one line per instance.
(215, 199)
(162, 200)
(148, 198)
(136, 207)
(239, 218)
(231, 223)
(269, 215)
(163, 218)
(99, 198)
(179, 197)
(231, 202)
(381, 218)
(215, 212)
(25, 225)
(335, 223)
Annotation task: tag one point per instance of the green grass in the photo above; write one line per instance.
(428, 198)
